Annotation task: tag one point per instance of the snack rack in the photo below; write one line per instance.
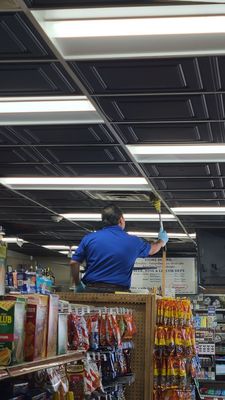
(174, 351)
(143, 307)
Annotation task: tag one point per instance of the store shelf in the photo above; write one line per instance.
(3, 373)
(29, 367)
(211, 396)
(206, 310)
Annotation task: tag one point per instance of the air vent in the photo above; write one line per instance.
(118, 196)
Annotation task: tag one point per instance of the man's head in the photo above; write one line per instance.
(113, 215)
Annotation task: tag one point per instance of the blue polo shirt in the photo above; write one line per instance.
(110, 254)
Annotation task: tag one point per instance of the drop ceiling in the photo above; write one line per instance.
(139, 100)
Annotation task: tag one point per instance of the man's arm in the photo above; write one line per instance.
(75, 268)
(161, 242)
(155, 247)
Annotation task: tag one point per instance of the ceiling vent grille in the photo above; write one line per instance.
(118, 196)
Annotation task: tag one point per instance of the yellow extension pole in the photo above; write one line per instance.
(164, 272)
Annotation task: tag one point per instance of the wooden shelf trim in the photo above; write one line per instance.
(33, 366)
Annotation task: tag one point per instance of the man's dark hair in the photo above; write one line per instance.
(111, 215)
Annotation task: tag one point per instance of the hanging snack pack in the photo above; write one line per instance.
(174, 350)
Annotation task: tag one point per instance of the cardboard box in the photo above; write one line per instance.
(36, 327)
(53, 305)
(12, 324)
(62, 333)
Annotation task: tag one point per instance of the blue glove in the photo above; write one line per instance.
(163, 236)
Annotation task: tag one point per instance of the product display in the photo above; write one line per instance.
(26, 280)
(12, 331)
(209, 318)
(175, 364)
(105, 334)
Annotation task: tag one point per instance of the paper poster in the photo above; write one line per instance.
(181, 274)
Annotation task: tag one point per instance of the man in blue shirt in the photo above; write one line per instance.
(110, 254)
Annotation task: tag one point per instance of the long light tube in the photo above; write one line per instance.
(178, 153)
(45, 104)
(128, 217)
(59, 247)
(199, 210)
(75, 183)
(135, 27)
(12, 240)
(174, 235)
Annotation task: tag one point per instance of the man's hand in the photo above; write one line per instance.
(163, 236)
(75, 270)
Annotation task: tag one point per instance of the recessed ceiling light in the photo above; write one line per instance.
(128, 217)
(46, 110)
(65, 252)
(178, 153)
(199, 210)
(12, 240)
(105, 32)
(74, 183)
(43, 105)
(59, 247)
(171, 235)
(135, 27)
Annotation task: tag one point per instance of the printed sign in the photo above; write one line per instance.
(180, 274)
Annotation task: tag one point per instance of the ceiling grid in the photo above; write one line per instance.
(138, 101)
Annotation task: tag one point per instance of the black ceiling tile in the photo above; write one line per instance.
(196, 194)
(35, 79)
(170, 133)
(25, 169)
(100, 170)
(19, 39)
(191, 184)
(17, 155)
(159, 108)
(82, 3)
(197, 203)
(182, 170)
(55, 134)
(141, 76)
(83, 154)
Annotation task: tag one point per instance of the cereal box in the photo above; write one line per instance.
(36, 327)
(12, 322)
(53, 304)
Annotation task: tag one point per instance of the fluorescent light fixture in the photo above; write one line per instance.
(111, 32)
(128, 217)
(128, 12)
(74, 183)
(12, 240)
(40, 110)
(67, 253)
(178, 153)
(43, 105)
(82, 216)
(199, 210)
(171, 235)
(59, 247)
(135, 27)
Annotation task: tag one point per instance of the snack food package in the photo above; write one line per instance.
(75, 374)
(62, 335)
(36, 327)
(52, 329)
(12, 322)
(77, 332)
